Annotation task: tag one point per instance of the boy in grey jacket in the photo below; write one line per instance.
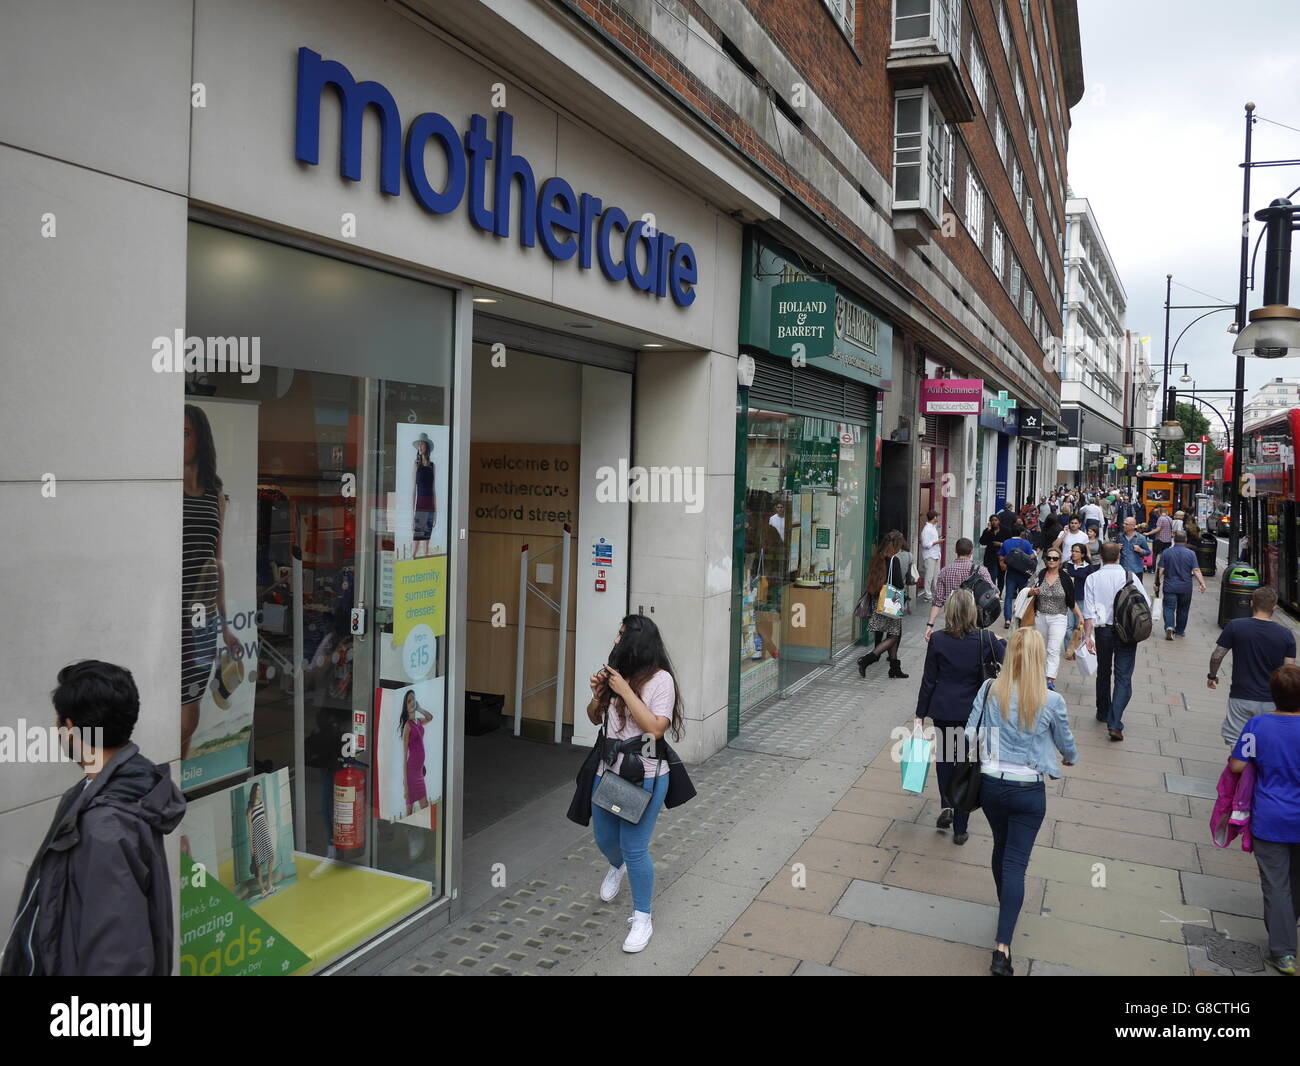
(97, 901)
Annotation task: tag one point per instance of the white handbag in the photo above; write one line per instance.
(1021, 604)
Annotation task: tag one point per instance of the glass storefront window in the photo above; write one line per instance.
(805, 514)
(314, 605)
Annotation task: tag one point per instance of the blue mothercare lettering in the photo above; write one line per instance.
(566, 224)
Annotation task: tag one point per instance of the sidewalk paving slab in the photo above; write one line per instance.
(789, 931)
(1223, 894)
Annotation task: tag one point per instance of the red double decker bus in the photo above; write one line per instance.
(1271, 502)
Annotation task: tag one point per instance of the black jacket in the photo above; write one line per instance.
(1067, 583)
(679, 791)
(953, 674)
(992, 541)
(97, 900)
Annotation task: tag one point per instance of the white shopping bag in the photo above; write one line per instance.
(1086, 660)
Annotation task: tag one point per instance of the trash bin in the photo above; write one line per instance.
(483, 712)
(1239, 582)
(1207, 553)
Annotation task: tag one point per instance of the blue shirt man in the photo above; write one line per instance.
(1133, 548)
(1015, 580)
(1176, 567)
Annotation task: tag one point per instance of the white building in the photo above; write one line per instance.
(1280, 394)
(1093, 363)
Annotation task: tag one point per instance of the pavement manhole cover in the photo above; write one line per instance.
(1234, 954)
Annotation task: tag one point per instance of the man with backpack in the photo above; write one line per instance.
(963, 573)
(1116, 618)
(1019, 562)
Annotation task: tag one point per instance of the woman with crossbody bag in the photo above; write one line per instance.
(635, 697)
(886, 585)
(1019, 737)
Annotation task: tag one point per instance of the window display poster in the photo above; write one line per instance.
(261, 835)
(219, 656)
(420, 596)
(420, 511)
(221, 935)
(408, 752)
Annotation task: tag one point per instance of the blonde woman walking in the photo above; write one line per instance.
(1021, 726)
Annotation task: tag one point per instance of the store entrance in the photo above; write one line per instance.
(534, 451)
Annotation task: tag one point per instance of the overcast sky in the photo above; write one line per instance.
(1155, 146)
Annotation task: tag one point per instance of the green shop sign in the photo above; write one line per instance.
(776, 293)
(803, 320)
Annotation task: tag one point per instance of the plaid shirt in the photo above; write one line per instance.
(951, 577)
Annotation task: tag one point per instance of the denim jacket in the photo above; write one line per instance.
(1132, 555)
(1005, 742)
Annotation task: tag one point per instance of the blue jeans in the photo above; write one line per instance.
(1015, 582)
(622, 842)
(1177, 606)
(1123, 657)
(1015, 812)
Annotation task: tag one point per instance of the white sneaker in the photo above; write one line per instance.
(609, 888)
(639, 936)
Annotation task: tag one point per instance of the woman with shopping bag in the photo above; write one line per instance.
(1021, 726)
(886, 587)
(958, 659)
(1055, 599)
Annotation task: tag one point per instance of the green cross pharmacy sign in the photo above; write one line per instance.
(1002, 403)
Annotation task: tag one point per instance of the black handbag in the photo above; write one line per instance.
(964, 784)
(623, 794)
(990, 667)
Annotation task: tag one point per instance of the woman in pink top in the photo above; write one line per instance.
(635, 696)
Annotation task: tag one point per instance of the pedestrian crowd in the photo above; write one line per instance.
(1067, 575)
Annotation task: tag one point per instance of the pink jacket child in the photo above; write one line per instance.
(1231, 815)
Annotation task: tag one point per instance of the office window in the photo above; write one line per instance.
(1017, 182)
(842, 12)
(920, 148)
(999, 251)
(949, 162)
(1024, 15)
(1026, 302)
(975, 207)
(1015, 279)
(1020, 89)
(1000, 137)
(1004, 27)
(979, 74)
(1032, 130)
(920, 20)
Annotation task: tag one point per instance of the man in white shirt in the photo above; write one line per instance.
(1072, 535)
(1091, 515)
(1099, 632)
(930, 552)
(777, 521)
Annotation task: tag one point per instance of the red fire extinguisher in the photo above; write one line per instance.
(350, 807)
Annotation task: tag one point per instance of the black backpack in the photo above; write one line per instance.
(988, 603)
(1021, 561)
(1132, 613)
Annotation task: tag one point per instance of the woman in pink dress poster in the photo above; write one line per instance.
(411, 728)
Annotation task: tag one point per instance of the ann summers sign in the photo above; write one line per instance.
(567, 223)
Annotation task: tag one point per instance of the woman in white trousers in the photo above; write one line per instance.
(1054, 602)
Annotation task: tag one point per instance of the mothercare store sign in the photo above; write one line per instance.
(782, 307)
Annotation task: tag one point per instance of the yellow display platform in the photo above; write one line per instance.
(326, 915)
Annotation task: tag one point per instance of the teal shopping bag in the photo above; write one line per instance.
(916, 761)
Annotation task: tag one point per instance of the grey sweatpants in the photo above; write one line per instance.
(1279, 877)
